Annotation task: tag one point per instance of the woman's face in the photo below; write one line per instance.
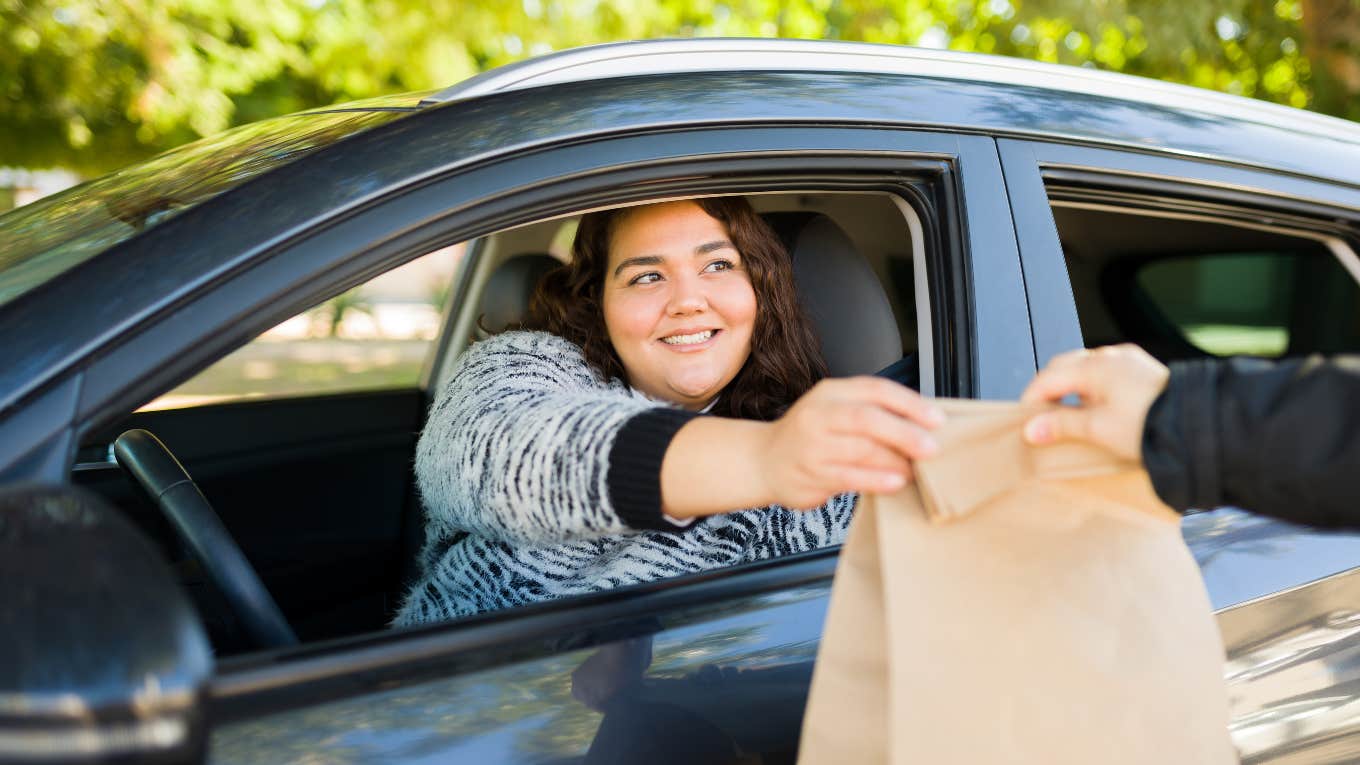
(678, 303)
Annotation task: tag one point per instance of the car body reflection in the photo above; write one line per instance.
(707, 675)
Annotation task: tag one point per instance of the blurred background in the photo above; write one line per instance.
(89, 86)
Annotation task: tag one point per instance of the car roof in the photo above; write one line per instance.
(651, 57)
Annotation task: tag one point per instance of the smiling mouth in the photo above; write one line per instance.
(695, 338)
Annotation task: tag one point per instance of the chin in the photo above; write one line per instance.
(695, 397)
(702, 387)
(696, 393)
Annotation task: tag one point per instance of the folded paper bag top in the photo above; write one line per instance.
(1019, 605)
(984, 454)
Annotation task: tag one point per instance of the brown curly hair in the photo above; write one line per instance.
(785, 360)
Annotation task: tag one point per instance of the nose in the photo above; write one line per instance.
(687, 296)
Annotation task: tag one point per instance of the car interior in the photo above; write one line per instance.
(1187, 286)
(317, 490)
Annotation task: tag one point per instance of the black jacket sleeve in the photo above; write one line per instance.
(1280, 439)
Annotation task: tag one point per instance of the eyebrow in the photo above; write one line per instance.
(645, 260)
(656, 260)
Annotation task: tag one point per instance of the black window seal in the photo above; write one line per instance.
(1212, 200)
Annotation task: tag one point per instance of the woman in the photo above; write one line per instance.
(573, 458)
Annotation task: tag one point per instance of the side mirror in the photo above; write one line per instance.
(102, 657)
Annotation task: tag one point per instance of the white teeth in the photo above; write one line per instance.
(697, 337)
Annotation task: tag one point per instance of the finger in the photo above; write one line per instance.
(1063, 424)
(1053, 384)
(867, 481)
(864, 452)
(1069, 358)
(898, 399)
(887, 429)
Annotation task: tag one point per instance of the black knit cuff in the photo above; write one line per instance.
(1180, 438)
(634, 477)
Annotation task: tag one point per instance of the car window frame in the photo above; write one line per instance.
(394, 231)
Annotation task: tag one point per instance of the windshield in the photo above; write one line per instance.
(43, 239)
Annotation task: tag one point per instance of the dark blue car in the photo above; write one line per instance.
(270, 309)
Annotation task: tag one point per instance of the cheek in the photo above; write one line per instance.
(628, 317)
(739, 304)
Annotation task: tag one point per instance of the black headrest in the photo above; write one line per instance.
(505, 300)
(840, 293)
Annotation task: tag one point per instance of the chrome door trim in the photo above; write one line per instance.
(1293, 670)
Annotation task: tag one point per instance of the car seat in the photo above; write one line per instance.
(843, 298)
(505, 299)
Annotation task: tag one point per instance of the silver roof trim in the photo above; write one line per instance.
(631, 59)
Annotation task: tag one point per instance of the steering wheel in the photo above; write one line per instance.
(162, 477)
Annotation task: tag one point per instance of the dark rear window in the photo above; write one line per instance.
(43, 239)
(1186, 286)
(1266, 304)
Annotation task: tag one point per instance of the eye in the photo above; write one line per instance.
(719, 265)
(651, 277)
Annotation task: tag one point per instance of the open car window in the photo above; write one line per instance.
(1188, 286)
(376, 336)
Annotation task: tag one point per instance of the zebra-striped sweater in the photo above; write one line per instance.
(528, 496)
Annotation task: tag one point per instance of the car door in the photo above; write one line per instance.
(1195, 259)
(713, 665)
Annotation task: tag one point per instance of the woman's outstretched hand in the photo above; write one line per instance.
(849, 434)
(1116, 384)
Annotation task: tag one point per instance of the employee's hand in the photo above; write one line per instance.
(1116, 384)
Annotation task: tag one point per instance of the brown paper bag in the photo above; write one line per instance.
(1017, 605)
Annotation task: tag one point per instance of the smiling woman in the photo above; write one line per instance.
(669, 375)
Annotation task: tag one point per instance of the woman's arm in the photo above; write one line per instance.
(854, 434)
(523, 446)
(516, 446)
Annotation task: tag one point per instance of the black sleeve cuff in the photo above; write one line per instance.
(1180, 438)
(634, 477)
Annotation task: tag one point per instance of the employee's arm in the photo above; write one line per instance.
(1280, 439)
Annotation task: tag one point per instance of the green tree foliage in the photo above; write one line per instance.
(95, 84)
